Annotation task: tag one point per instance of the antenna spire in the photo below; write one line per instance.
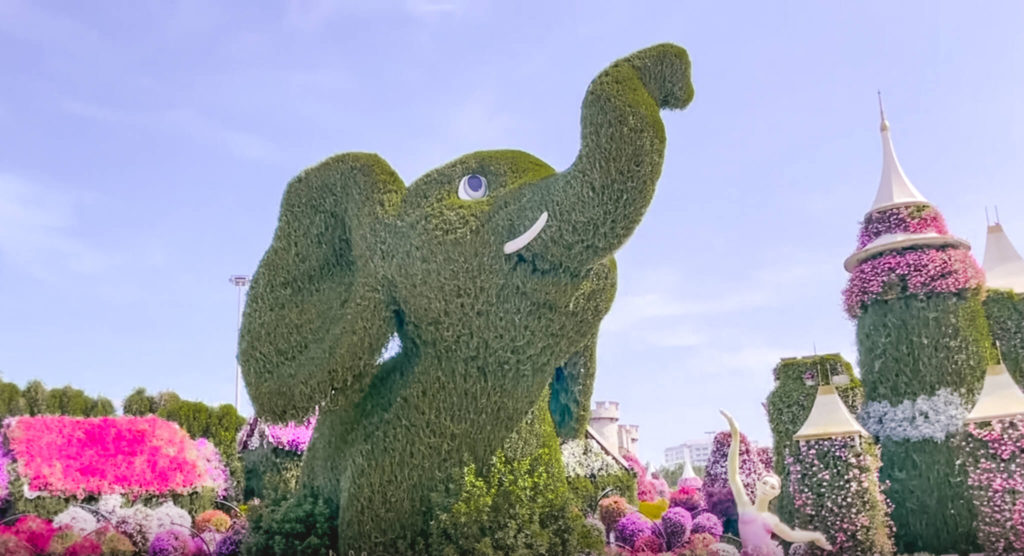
(881, 113)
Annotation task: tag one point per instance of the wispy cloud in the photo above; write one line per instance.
(668, 312)
(38, 234)
(428, 7)
(188, 122)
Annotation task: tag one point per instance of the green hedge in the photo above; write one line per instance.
(790, 402)
(271, 474)
(1005, 312)
(916, 346)
(36, 399)
(520, 504)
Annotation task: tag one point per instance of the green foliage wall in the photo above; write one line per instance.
(789, 405)
(917, 346)
(357, 257)
(1005, 312)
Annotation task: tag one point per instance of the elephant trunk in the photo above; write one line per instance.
(597, 202)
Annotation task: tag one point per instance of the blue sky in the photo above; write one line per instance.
(145, 147)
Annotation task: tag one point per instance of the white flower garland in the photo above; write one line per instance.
(926, 418)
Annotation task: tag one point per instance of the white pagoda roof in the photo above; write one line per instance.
(1003, 265)
(829, 418)
(894, 189)
(1000, 397)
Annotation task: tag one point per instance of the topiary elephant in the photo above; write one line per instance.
(493, 270)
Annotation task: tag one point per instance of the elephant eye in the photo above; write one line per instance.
(472, 188)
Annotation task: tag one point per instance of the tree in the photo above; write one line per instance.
(139, 403)
(102, 407)
(35, 397)
(11, 400)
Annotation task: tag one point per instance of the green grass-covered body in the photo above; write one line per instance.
(357, 256)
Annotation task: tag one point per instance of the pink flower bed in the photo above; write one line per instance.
(915, 271)
(994, 452)
(919, 219)
(70, 456)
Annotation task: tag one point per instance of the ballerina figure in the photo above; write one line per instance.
(756, 523)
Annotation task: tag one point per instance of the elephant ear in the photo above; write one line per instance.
(317, 315)
(571, 388)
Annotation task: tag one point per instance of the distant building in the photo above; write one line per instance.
(604, 420)
(700, 451)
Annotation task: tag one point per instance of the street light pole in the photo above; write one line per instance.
(241, 282)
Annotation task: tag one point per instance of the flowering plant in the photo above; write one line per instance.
(217, 475)
(291, 436)
(915, 219)
(994, 453)
(71, 456)
(910, 271)
(835, 488)
(584, 458)
(648, 487)
(717, 492)
(928, 417)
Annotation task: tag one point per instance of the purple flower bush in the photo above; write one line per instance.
(632, 527)
(707, 524)
(717, 493)
(835, 488)
(916, 219)
(291, 436)
(911, 271)
(994, 454)
(675, 524)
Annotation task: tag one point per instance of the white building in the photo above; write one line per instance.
(604, 420)
(700, 452)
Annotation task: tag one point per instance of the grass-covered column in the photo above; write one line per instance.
(789, 404)
(1005, 312)
(923, 342)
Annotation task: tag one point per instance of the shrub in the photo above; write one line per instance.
(632, 527)
(835, 489)
(519, 505)
(676, 524)
(699, 544)
(212, 520)
(304, 524)
(611, 510)
(708, 524)
(106, 455)
(688, 498)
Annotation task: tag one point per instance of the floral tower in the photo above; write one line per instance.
(1004, 301)
(915, 292)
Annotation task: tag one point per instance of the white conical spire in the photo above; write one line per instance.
(1003, 265)
(1000, 397)
(688, 472)
(829, 418)
(894, 189)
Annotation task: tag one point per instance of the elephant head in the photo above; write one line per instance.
(492, 269)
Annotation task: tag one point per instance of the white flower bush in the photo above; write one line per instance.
(926, 418)
(77, 519)
(584, 458)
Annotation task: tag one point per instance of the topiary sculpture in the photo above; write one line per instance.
(493, 270)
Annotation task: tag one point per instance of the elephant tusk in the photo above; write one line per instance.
(521, 241)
